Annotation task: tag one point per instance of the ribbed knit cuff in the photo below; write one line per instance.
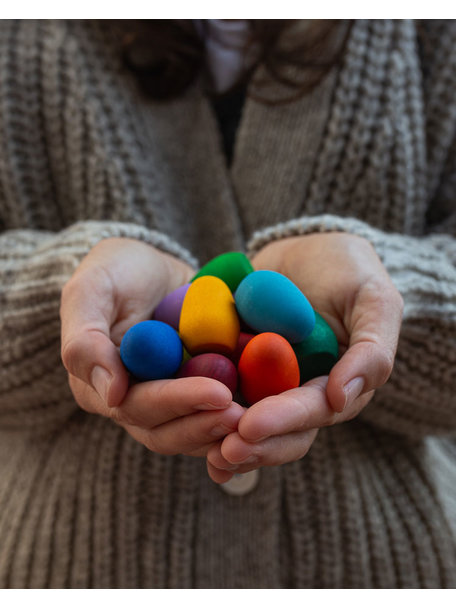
(419, 398)
(34, 266)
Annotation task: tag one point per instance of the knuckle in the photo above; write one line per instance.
(160, 448)
(122, 416)
(390, 299)
(155, 441)
(150, 443)
(392, 295)
(331, 418)
(385, 364)
(80, 351)
(117, 415)
(200, 452)
(71, 287)
(189, 438)
(79, 392)
(70, 353)
(305, 443)
(301, 453)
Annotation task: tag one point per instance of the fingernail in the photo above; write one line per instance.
(352, 390)
(220, 430)
(230, 467)
(212, 406)
(101, 381)
(253, 459)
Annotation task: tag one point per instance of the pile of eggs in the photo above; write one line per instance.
(254, 331)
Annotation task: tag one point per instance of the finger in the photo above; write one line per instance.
(91, 402)
(296, 410)
(150, 404)
(87, 351)
(218, 462)
(201, 452)
(218, 475)
(240, 456)
(374, 328)
(188, 434)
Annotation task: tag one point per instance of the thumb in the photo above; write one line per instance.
(367, 364)
(86, 348)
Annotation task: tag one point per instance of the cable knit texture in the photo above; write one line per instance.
(370, 151)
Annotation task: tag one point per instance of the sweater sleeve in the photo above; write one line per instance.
(419, 398)
(34, 266)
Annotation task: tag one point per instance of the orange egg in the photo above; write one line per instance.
(268, 366)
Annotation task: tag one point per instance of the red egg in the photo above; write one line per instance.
(211, 365)
(243, 340)
(268, 366)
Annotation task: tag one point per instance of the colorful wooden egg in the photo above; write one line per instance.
(244, 339)
(168, 310)
(186, 356)
(151, 350)
(209, 322)
(268, 366)
(231, 267)
(318, 353)
(268, 301)
(211, 365)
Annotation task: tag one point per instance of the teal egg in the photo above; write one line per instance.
(268, 301)
(318, 353)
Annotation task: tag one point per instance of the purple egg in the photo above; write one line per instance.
(211, 365)
(169, 309)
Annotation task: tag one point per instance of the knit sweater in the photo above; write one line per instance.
(370, 151)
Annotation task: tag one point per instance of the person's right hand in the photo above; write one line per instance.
(118, 284)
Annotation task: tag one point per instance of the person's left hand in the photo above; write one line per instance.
(345, 281)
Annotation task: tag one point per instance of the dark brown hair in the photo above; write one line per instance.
(166, 56)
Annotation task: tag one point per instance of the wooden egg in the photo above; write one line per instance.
(244, 339)
(268, 301)
(211, 365)
(231, 267)
(186, 356)
(318, 353)
(209, 322)
(268, 366)
(151, 350)
(169, 309)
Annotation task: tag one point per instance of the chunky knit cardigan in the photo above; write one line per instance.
(371, 151)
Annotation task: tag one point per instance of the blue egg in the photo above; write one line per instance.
(269, 301)
(151, 350)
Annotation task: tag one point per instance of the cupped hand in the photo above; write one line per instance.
(118, 284)
(346, 282)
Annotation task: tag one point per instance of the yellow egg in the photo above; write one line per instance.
(208, 320)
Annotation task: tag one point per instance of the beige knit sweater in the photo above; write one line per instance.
(82, 157)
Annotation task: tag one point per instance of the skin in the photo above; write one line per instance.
(120, 282)
(346, 282)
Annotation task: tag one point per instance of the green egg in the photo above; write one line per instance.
(231, 267)
(318, 353)
(186, 356)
